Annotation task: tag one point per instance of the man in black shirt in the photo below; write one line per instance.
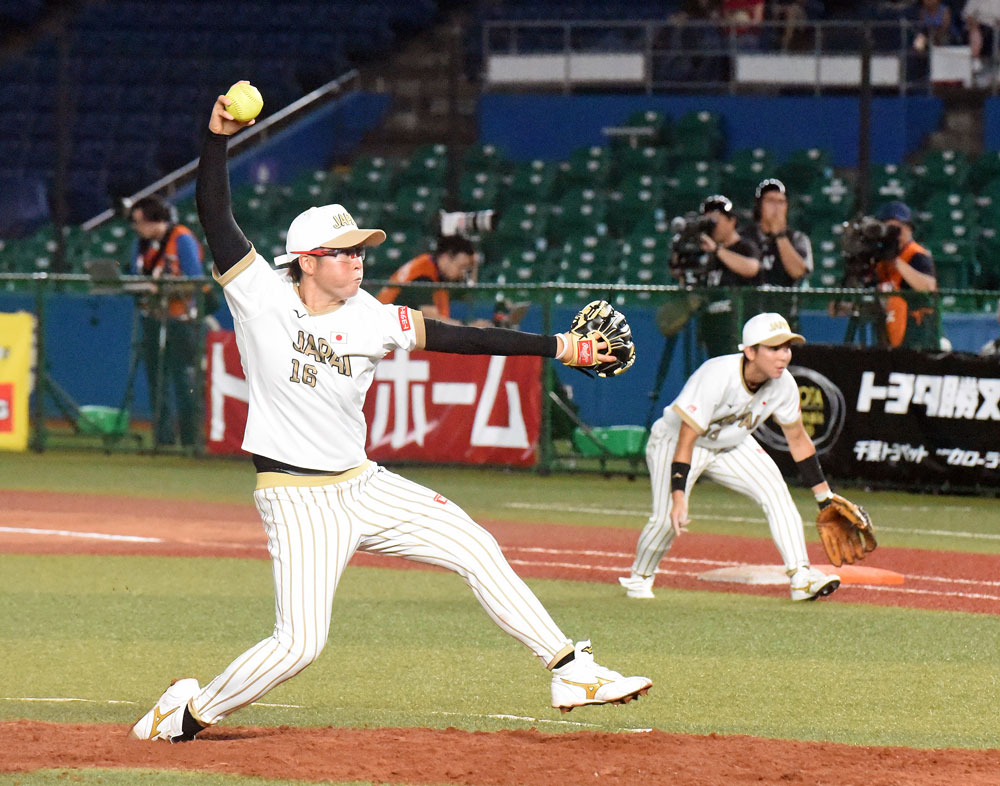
(785, 254)
(735, 262)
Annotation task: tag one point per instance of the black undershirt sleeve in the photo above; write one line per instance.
(463, 340)
(226, 241)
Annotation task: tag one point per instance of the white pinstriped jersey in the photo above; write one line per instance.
(717, 403)
(308, 372)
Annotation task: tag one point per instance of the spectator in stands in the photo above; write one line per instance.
(742, 18)
(734, 262)
(981, 19)
(696, 44)
(795, 35)
(786, 257)
(933, 25)
(454, 259)
(911, 319)
(171, 329)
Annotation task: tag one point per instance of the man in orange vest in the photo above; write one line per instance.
(171, 330)
(454, 259)
(911, 320)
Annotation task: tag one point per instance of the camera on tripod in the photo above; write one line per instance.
(466, 223)
(866, 241)
(689, 261)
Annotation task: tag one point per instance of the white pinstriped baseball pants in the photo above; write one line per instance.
(746, 468)
(312, 531)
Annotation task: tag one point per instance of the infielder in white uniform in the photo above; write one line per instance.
(309, 340)
(708, 429)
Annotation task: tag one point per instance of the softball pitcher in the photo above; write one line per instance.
(708, 431)
(309, 340)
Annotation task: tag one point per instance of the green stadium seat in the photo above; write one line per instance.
(804, 167)
(698, 136)
(485, 158)
(691, 182)
(939, 170)
(588, 167)
(427, 166)
(578, 217)
(890, 182)
(479, 190)
(631, 162)
(744, 171)
(984, 168)
(417, 206)
(826, 202)
(658, 128)
(636, 198)
(531, 182)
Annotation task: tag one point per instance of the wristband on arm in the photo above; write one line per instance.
(679, 475)
(812, 475)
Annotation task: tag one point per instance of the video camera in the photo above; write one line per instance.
(689, 262)
(866, 241)
(466, 224)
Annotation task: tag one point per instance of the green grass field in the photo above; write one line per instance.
(110, 632)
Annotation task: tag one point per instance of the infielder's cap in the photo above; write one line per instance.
(897, 210)
(769, 329)
(330, 226)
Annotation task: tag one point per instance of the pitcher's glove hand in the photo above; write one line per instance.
(599, 330)
(845, 529)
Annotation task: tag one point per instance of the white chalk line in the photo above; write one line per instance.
(602, 554)
(644, 513)
(529, 719)
(68, 533)
(67, 699)
(726, 563)
(623, 570)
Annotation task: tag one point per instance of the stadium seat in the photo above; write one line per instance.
(938, 170)
(637, 196)
(698, 136)
(531, 182)
(889, 182)
(745, 169)
(803, 167)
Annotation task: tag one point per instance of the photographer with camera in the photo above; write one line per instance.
(910, 320)
(709, 252)
(453, 259)
(785, 253)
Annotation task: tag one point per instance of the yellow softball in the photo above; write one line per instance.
(246, 102)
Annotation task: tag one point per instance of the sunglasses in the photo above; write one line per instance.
(356, 251)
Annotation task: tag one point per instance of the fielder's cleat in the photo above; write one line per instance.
(165, 720)
(809, 584)
(637, 586)
(582, 681)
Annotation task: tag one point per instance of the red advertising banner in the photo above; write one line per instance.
(226, 394)
(422, 406)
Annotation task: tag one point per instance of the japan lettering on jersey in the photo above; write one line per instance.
(717, 403)
(308, 372)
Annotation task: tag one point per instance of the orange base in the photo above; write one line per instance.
(858, 574)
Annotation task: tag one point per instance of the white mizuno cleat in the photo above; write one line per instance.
(637, 586)
(582, 681)
(809, 584)
(165, 720)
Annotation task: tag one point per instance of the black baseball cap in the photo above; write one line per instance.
(770, 184)
(717, 202)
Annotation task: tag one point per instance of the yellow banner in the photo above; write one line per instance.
(17, 357)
